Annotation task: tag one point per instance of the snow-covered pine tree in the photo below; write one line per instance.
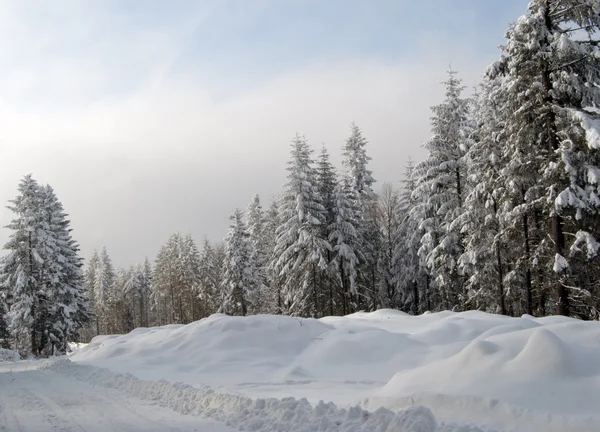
(90, 282)
(120, 316)
(389, 223)
(240, 282)
(210, 295)
(272, 299)
(190, 279)
(41, 275)
(146, 292)
(63, 281)
(132, 293)
(355, 163)
(20, 275)
(301, 251)
(441, 188)
(344, 240)
(412, 277)
(552, 63)
(261, 250)
(176, 280)
(105, 278)
(326, 182)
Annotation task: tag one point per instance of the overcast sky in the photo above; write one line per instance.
(150, 117)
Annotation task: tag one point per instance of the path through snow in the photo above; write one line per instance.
(34, 400)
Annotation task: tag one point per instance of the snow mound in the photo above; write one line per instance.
(522, 374)
(7, 355)
(259, 415)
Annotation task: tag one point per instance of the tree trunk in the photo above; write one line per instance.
(528, 293)
(415, 297)
(500, 280)
(344, 288)
(562, 296)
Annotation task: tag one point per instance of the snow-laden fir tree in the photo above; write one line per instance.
(240, 281)
(64, 282)
(272, 299)
(210, 294)
(389, 222)
(411, 275)
(90, 281)
(326, 183)
(552, 63)
(41, 275)
(261, 252)
(20, 277)
(440, 188)
(177, 281)
(344, 240)
(485, 258)
(105, 278)
(191, 276)
(301, 251)
(360, 179)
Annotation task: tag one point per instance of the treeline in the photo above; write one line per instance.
(501, 216)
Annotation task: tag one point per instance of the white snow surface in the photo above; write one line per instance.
(37, 399)
(9, 355)
(440, 371)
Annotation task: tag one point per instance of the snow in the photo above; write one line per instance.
(36, 399)
(7, 355)
(519, 374)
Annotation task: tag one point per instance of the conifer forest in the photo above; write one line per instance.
(503, 216)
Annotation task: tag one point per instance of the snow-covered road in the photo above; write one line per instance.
(33, 400)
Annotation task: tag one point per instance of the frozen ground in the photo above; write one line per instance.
(383, 371)
(39, 400)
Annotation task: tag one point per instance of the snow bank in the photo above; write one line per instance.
(523, 374)
(9, 355)
(260, 415)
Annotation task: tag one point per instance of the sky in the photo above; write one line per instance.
(152, 117)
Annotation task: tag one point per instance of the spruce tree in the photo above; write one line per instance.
(551, 105)
(239, 278)
(301, 251)
(105, 278)
(441, 189)
(344, 240)
(360, 179)
(20, 272)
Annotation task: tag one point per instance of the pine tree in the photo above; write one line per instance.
(210, 293)
(41, 275)
(260, 252)
(326, 183)
(20, 276)
(440, 188)
(239, 282)
(344, 239)
(300, 250)
(411, 274)
(90, 283)
(272, 299)
(190, 278)
(552, 70)
(360, 180)
(105, 279)
(64, 280)
(389, 222)
(145, 275)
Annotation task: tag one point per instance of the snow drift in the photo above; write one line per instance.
(507, 373)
